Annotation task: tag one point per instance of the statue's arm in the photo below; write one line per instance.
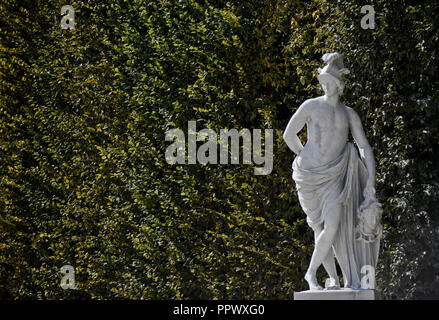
(366, 152)
(296, 123)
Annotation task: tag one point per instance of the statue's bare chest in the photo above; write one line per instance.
(330, 119)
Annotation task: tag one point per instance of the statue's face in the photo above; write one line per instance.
(329, 86)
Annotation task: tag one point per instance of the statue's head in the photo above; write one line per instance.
(331, 76)
(331, 86)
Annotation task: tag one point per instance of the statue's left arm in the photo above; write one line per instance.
(366, 152)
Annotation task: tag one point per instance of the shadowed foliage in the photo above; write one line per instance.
(83, 116)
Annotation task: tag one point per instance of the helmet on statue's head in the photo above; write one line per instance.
(334, 68)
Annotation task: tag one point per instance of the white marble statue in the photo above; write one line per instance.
(336, 186)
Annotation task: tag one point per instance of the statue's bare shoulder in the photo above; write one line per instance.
(307, 107)
(353, 115)
(313, 101)
(310, 103)
(356, 127)
(354, 118)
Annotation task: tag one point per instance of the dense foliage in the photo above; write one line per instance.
(83, 116)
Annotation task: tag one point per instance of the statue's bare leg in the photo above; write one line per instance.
(323, 248)
(329, 264)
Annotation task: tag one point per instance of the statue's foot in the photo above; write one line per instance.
(332, 284)
(352, 287)
(312, 282)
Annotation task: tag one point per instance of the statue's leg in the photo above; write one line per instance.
(323, 247)
(328, 262)
(329, 265)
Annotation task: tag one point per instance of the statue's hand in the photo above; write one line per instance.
(369, 191)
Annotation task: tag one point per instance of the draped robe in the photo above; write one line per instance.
(340, 181)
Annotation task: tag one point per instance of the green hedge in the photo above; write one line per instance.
(83, 116)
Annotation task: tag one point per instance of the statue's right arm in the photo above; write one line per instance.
(296, 123)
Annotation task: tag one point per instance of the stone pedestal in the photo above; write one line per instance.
(342, 294)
